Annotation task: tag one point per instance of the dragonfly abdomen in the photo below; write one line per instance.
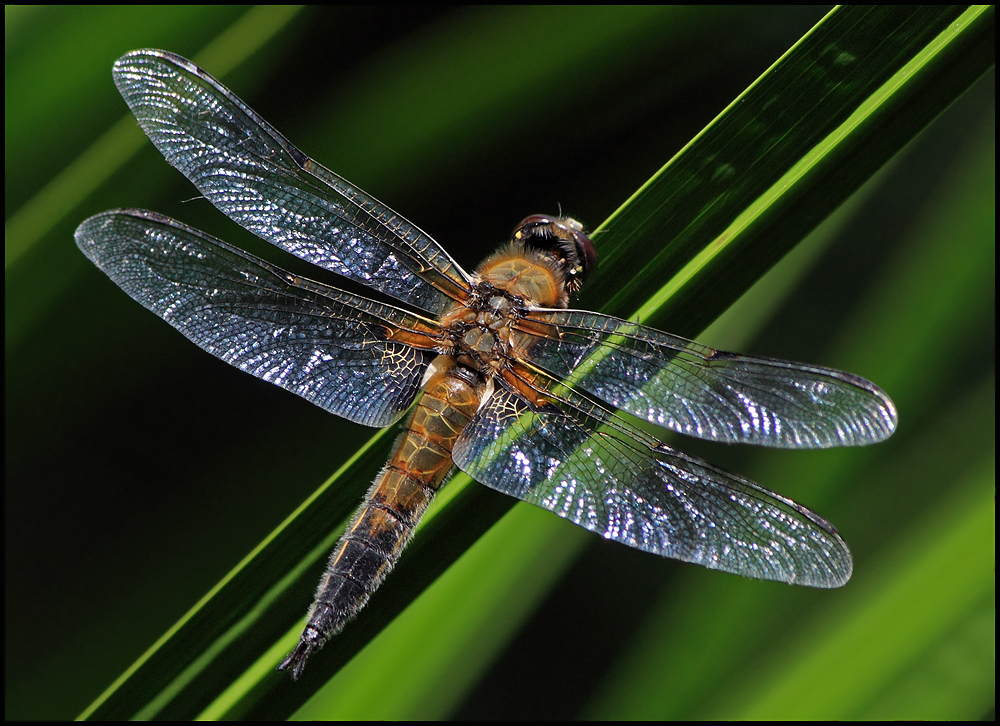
(393, 506)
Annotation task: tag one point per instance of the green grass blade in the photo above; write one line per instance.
(465, 121)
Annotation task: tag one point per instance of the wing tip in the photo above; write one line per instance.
(151, 53)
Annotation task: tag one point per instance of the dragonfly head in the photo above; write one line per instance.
(564, 239)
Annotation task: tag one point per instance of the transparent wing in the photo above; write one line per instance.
(328, 346)
(580, 461)
(254, 175)
(695, 390)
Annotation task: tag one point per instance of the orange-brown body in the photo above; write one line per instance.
(484, 343)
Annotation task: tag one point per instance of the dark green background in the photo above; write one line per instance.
(139, 470)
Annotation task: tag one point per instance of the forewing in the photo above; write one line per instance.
(251, 172)
(328, 346)
(698, 391)
(583, 463)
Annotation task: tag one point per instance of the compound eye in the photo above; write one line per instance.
(587, 252)
(564, 238)
(528, 228)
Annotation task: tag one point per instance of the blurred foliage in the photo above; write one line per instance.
(140, 470)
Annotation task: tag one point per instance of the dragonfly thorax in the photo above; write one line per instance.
(482, 330)
(537, 277)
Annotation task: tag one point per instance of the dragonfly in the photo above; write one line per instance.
(500, 377)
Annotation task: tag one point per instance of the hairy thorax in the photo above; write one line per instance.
(485, 331)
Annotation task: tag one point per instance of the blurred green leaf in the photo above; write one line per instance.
(785, 154)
